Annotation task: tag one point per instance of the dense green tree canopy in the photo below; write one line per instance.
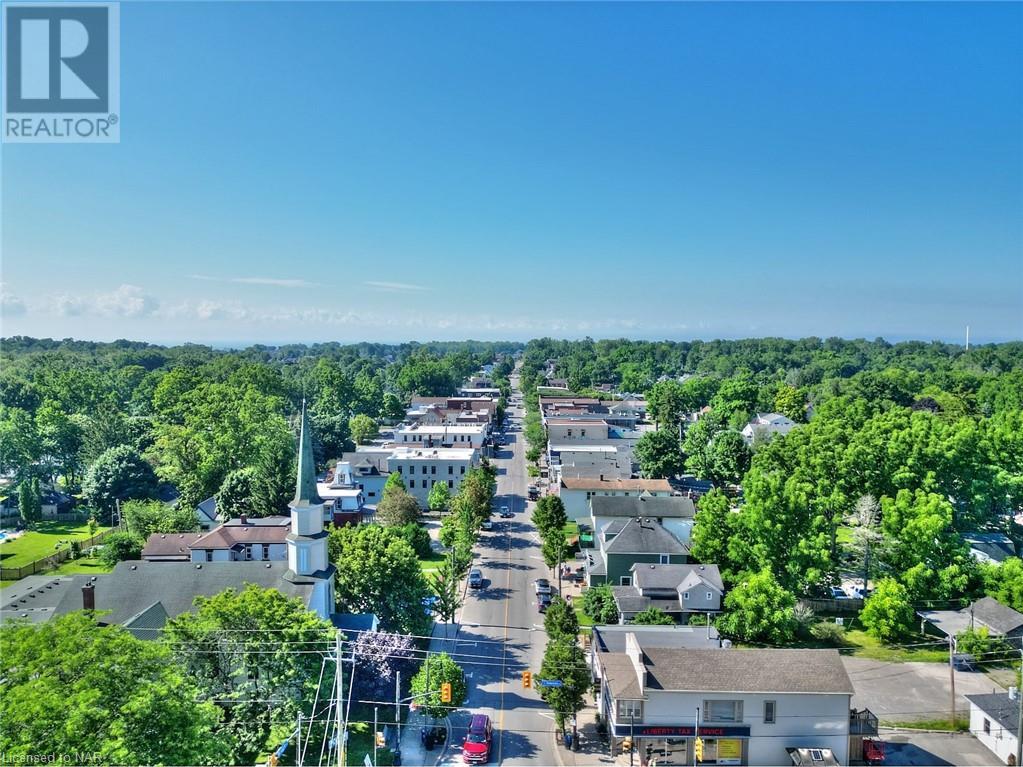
(72, 687)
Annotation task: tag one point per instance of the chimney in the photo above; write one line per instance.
(244, 519)
(89, 596)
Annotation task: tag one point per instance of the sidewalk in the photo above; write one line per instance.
(412, 752)
(592, 749)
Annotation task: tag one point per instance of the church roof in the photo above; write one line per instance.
(305, 484)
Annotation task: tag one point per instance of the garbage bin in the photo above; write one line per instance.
(568, 740)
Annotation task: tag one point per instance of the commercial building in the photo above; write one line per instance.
(748, 706)
(422, 468)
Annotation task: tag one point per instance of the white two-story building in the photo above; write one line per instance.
(748, 706)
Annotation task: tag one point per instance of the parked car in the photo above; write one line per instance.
(543, 586)
(505, 513)
(476, 748)
(859, 592)
(488, 525)
(475, 578)
(543, 601)
(533, 493)
(431, 736)
(838, 593)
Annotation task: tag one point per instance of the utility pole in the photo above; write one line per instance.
(298, 741)
(376, 729)
(1019, 717)
(632, 737)
(397, 704)
(952, 676)
(340, 701)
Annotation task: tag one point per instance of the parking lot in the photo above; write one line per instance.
(911, 691)
(924, 749)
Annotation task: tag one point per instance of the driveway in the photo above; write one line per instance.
(929, 749)
(908, 691)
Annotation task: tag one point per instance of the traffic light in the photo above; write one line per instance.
(698, 749)
(527, 679)
(445, 692)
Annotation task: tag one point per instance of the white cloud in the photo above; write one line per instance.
(395, 287)
(10, 304)
(128, 301)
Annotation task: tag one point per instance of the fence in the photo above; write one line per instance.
(833, 605)
(48, 562)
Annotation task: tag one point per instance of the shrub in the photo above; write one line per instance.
(827, 631)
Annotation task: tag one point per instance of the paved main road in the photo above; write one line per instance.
(501, 633)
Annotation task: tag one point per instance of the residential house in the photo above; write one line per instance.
(576, 492)
(169, 547)
(53, 502)
(678, 590)
(994, 721)
(243, 539)
(990, 547)
(766, 425)
(344, 498)
(206, 514)
(674, 512)
(1001, 621)
(369, 472)
(748, 706)
(623, 542)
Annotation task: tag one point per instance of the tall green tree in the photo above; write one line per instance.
(143, 518)
(439, 669)
(378, 572)
(397, 508)
(119, 474)
(712, 530)
(445, 587)
(560, 620)
(235, 497)
(73, 687)
(30, 504)
(363, 429)
(599, 605)
(564, 660)
(659, 454)
(239, 647)
(888, 613)
(759, 610)
(440, 497)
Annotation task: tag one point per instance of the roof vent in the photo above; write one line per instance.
(134, 567)
(267, 565)
(198, 567)
(163, 536)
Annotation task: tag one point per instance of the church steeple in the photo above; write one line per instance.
(305, 482)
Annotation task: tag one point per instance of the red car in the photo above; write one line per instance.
(476, 748)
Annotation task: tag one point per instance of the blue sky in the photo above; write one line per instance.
(322, 171)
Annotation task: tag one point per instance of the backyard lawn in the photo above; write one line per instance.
(44, 540)
(432, 562)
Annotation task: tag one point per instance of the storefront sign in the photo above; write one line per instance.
(623, 730)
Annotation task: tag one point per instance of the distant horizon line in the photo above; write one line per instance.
(238, 345)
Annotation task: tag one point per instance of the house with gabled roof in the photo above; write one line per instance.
(679, 590)
(623, 543)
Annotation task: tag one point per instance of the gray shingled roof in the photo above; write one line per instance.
(644, 536)
(134, 587)
(674, 507)
(996, 616)
(747, 670)
(629, 600)
(998, 707)
(996, 546)
(665, 577)
(34, 598)
(612, 638)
